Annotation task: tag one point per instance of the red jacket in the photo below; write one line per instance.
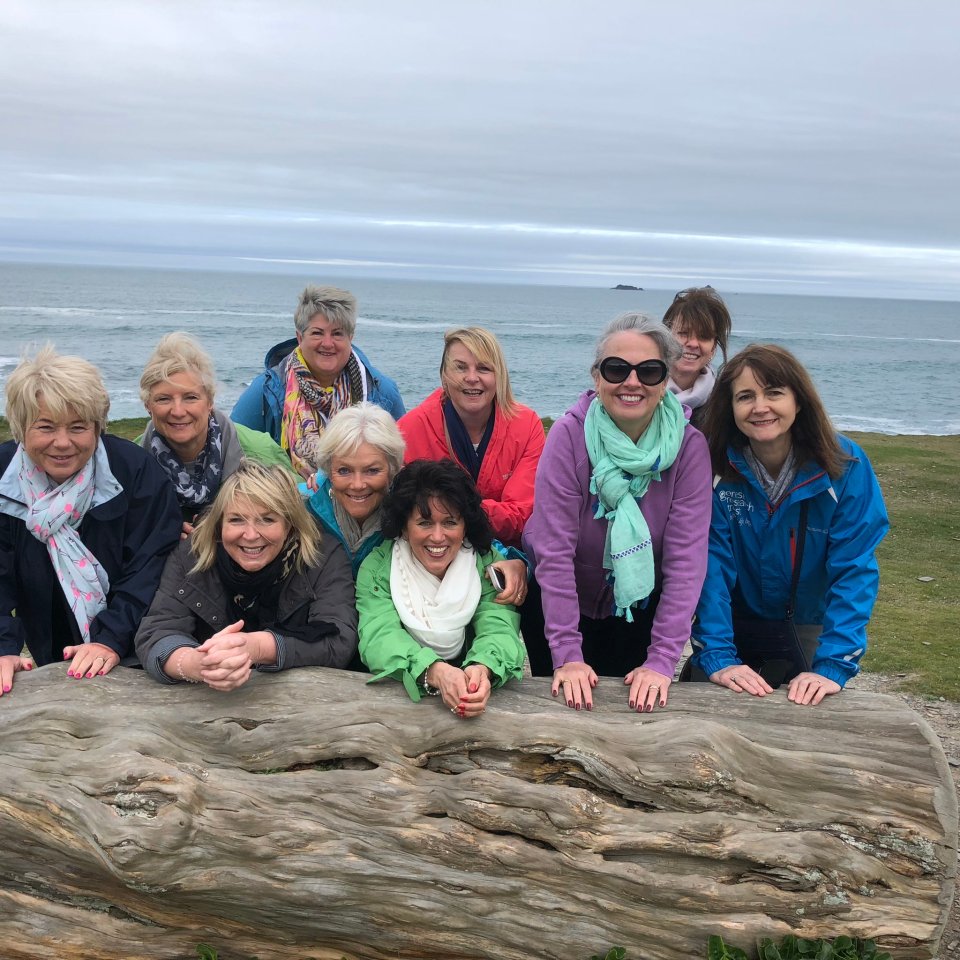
(509, 465)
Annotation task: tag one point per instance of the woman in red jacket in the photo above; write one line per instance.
(474, 420)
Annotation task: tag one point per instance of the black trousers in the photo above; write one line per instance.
(611, 646)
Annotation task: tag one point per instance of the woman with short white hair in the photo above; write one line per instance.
(86, 521)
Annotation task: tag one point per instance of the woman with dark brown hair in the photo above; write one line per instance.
(700, 321)
(797, 516)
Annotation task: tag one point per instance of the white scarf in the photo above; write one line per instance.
(434, 611)
(699, 393)
(52, 513)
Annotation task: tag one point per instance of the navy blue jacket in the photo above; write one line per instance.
(130, 535)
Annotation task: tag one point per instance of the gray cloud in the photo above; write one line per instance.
(238, 134)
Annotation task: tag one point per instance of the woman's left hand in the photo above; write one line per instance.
(90, 660)
(811, 688)
(647, 688)
(474, 702)
(514, 573)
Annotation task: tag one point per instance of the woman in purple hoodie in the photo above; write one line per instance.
(618, 536)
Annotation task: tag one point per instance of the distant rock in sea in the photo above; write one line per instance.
(626, 286)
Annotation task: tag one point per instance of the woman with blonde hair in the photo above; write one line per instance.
(196, 445)
(86, 522)
(253, 588)
(474, 420)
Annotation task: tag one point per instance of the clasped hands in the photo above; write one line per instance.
(226, 660)
(576, 680)
(465, 691)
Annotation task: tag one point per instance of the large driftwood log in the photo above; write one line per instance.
(310, 815)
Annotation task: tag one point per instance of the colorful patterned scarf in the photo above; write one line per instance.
(53, 514)
(308, 407)
(622, 471)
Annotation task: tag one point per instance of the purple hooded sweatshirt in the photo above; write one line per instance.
(566, 543)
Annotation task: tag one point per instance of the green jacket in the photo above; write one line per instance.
(388, 650)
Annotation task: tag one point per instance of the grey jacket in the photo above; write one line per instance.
(317, 608)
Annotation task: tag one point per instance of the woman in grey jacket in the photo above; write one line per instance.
(250, 590)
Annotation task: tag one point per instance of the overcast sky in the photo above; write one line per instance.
(761, 146)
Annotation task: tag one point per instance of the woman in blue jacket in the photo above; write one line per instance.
(773, 448)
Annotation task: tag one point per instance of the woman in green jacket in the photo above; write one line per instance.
(427, 611)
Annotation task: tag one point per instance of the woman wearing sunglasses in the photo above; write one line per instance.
(618, 536)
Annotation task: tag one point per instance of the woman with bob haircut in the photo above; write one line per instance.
(474, 420)
(194, 443)
(777, 456)
(252, 589)
(428, 616)
(700, 321)
(86, 521)
(359, 455)
(619, 529)
(307, 380)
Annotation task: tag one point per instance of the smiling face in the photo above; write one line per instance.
(470, 383)
(252, 535)
(435, 540)
(358, 482)
(180, 411)
(631, 405)
(697, 353)
(326, 349)
(59, 446)
(764, 413)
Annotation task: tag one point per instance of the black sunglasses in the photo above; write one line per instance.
(649, 372)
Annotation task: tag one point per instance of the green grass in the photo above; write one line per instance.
(915, 625)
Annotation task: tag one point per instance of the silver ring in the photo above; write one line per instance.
(453, 709)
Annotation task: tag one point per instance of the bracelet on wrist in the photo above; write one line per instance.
(183, 676)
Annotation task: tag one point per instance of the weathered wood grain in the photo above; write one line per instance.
(311, 815)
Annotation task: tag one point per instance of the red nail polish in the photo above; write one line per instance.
(569, 703)
(633, 704)
(100, 674)
(89, 674)
(69, 673)
(7, 689)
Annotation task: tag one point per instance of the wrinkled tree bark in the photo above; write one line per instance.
(311, 816)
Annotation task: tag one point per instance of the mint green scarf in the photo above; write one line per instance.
(622, 471)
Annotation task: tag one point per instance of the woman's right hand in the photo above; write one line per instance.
(742, 679)
(576, 680)
(9, 665)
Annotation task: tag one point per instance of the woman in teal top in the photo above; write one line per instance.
(428, 611)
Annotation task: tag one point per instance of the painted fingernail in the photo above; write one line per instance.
(90, 674)
(69, 673)
(7, 689)
(100, 674)
(633, 704)
(577, 707)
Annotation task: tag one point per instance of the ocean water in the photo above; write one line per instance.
(887, 366)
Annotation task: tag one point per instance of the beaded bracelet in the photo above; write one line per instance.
(183, 676)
